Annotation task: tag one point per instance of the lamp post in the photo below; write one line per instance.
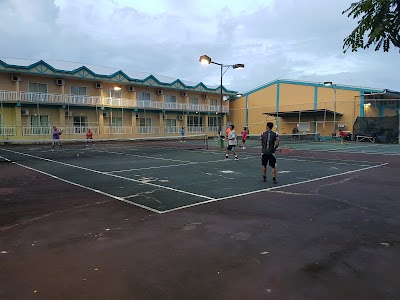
(333, 86)
(206, 60)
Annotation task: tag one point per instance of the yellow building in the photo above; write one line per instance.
(37, 95)
(315, 109)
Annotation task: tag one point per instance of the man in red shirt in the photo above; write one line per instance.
(89, 136)
(343, 136)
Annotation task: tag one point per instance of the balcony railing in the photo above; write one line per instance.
(149, 104)
(148, 130)
(88, 100)
(117, 130)
(196, 129)
(172, 129)
(36, 130)
(109, 101)
(81, 130)
(7, 130)
(121, 102)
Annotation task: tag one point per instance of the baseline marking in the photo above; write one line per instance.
(112, 175)
(272, 188)
(84, 187)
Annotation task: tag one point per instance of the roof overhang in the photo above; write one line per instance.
(309, 113)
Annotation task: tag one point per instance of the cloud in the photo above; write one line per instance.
(274, 39)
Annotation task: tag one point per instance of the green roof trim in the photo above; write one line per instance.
(42, 68)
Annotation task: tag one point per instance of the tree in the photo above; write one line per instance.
(380, 22)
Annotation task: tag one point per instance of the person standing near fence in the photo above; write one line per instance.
(231, 142)
(244, 137)
(182, 134)
(343, 136)
(89, 137)
(56, 137)
(269, 143)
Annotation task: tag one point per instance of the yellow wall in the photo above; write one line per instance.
(5, 82)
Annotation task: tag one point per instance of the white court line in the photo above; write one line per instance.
(168, 166)
(137, 155)
(319, 161)
(112, 175)
(84, 187)
(272, 188)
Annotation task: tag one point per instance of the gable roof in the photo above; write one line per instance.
(93, 72)
(315, 84)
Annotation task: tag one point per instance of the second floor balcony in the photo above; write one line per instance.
(81, 100)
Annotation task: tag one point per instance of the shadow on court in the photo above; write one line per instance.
(329, 230)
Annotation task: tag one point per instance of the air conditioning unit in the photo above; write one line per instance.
(184, 94)
(99, 85)
(205, 96)
(160, 92)
(131, 89)
(24, 112)
(106, 114)
(15, 78)
(180, 117)
(68, 113)
(60, 81)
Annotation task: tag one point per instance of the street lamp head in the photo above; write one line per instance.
(328, 83)
(205, 60)
(238, 66)
(117, 88)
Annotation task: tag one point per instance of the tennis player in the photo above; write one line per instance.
(89, 137)
(56, 137)
(269, 143)
(244, 137)
(231, 142)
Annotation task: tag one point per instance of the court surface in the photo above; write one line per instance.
(123, 223)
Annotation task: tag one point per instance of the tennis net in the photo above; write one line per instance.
(300, 137)
(144, 145)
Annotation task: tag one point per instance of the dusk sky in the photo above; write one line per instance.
(300, 40)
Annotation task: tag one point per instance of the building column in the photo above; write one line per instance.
(61, 120)
(161, 117)
(134, 122)
(101, 124)
(18, 122)
(206, 116)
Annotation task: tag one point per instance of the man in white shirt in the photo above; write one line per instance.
(231, 143)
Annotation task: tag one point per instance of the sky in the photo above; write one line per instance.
(286, 39)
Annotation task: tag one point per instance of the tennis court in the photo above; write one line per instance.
(161, 181)
(174, 219)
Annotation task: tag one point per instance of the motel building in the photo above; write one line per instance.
(317, 109)
(37, 95)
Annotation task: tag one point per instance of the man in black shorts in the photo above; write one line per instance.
(269, 143)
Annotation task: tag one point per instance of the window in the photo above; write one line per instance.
(37, 87)
(39, 120)
(213, 121)
(78, 90)
(213, 102)
(193, 100)
(143, 96)
(195, 121)
(80, 124)
(170, 122)
(40, 125)
(116, 121)
(114, 93)
(170, 99)
(144, 122)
